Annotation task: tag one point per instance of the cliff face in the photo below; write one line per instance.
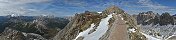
(111, 24)
(147, 18)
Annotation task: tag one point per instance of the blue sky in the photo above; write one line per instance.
(70, 7)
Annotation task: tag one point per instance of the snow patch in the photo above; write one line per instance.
(145, 14)
(100, 31)
(121, 17)
(85, 33)
(35, 21)
(165, 31)
(150, 37)
(14, 15)
(99, 12)
(147, 20)
(170, 37)
(24, 34)
(132, 30)
(35, 39)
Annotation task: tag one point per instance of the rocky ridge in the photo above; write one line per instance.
(81, 22)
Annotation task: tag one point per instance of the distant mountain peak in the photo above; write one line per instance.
(13, 15)
(114, 9)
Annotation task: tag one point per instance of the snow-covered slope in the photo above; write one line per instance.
(150, 37)
(99, 32)
(85, 33)
(99, 12)
(162, 32)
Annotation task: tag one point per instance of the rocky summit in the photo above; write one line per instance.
(111, 24)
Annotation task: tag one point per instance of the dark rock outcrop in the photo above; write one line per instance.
(147, 18)
(165, 19)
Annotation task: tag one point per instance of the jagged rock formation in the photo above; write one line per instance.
(166, 18)
(159, 26)
(146, 18)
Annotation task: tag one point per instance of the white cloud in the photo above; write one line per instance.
(148, 5)
(22, 1)
(16, 6)
(152, 5)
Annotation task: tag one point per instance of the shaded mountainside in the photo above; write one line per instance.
(146, 18)
(31, 27)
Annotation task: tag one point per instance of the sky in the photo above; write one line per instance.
(70, 7)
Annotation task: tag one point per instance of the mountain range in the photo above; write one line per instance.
(111, 24)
